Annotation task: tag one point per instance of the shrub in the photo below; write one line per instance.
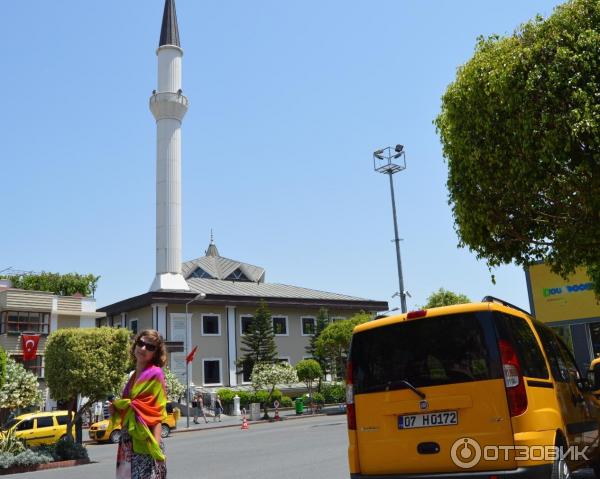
(25, 458)
(260, 396)
(11, 444)
(286, 401)
(318, 398)
(333, 393)
(66, 449)
(226, 396)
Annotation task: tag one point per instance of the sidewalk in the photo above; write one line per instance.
(236, 421)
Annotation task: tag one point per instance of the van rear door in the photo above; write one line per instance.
(429, 395)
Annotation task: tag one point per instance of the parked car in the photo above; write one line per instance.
(102, 432)
(40, 428)
(480, 390)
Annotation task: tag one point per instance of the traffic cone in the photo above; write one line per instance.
(245, 423)
(277, 418)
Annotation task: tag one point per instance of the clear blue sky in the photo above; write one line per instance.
(288, 102)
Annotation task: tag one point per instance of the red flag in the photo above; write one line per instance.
(190, 357)
(29, 343)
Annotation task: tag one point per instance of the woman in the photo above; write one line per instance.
(141, 411)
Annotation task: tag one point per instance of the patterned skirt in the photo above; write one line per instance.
(138, 466)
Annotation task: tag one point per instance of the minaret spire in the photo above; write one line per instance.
(168, 105)
(169, 33)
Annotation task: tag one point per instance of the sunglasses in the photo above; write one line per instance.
(143, 344)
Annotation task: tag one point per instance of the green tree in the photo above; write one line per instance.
(20, 390)
(321, 323)
(87, 362)
(258, 344)
(520, 129)
(443, 297)
(334, 342)
(308, 371)
(268, 376)
(3, 359)
(62, 284)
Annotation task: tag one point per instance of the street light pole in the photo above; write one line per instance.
(198, 297)
(382, 163)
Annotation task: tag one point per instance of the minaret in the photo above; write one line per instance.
(168, 105)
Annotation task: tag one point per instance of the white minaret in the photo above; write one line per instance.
(168, 105)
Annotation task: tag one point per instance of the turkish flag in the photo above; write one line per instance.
(29, 342)
(190, 357)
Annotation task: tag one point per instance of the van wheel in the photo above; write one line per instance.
(115, 436)
(164, 430)
(560, 468)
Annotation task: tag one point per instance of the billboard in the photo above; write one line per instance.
(557, 299)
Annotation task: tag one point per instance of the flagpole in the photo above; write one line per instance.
(199, 296)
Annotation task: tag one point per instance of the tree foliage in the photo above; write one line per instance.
(321, 323)
(520, 129)
(20, 389)
(175, 388)
(258, 344)
(443, 297)
(309, 371)
(269, 375)
(334, 341)
(90, 362)
(3, 359)
(62, 284)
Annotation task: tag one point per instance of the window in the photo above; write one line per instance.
(35, 365)
(45, 421)
(237, 275)
(25, 425)
(336, 318)
(280, 325)
(212, 371)
(284, 359)
(245, 322)
(211, 325)
(200, 273)
(133, 325)
(550, 342)
(24, 321)
(308, 325)
(247, 372)
(62, 420)
(518, 333)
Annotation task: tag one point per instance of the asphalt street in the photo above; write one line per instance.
(309, 447)
(312, 447)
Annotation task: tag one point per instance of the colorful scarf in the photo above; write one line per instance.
(143, 405)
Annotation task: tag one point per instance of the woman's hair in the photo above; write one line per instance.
(160, 355)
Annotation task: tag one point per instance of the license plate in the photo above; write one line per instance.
(444, 418)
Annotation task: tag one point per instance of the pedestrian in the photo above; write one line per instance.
(218, 409)
(199, 408)
(141, 411)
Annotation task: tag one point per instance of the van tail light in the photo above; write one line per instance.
(513, 379)
(421, 313)
(350, 411)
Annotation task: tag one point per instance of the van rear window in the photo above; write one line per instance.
(426, 352)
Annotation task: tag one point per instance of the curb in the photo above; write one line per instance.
(41, 467)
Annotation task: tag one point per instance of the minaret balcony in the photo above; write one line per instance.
(168, 105)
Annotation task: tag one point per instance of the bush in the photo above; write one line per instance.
(11, 444)
(66, 449)
(333, 393)
(25, 458)
(318, 398)
(286, 401)
(226, 396)
(260, 397)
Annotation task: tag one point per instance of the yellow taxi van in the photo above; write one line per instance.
(39, 428)
(102, 431)
(479, 390)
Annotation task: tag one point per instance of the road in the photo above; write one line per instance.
(298, 448)
(311, 447)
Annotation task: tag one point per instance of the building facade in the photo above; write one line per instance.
(224, 295)
(26, 312)
(569, 306)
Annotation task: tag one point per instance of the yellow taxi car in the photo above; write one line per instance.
(479, 390)
(102, 432)
(39, 428)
